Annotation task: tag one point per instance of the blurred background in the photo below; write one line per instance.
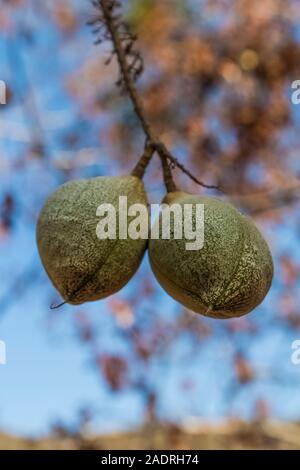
(218, 90)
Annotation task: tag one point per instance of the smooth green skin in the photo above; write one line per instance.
(229, 276)
(82, 267)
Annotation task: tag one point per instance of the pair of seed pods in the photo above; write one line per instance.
(227, 278)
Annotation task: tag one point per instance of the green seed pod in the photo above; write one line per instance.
(226, 278)
(82, 266)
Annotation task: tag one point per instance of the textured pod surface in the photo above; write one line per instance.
(229, 276)
(81, 266)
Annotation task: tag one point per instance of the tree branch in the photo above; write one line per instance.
(119, 37)
(122, 60)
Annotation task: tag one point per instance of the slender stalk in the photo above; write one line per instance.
(168, 177)
(165, 153)
(142, 164)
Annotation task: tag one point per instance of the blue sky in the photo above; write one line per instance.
(48, 375)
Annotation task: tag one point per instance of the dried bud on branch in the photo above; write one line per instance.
(109, 25)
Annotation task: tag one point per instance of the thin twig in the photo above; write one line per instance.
(165, 153)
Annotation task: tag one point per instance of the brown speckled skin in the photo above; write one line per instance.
(82, 267)
(229, 276)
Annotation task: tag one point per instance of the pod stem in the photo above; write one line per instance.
(140, 168)
(168, 177)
